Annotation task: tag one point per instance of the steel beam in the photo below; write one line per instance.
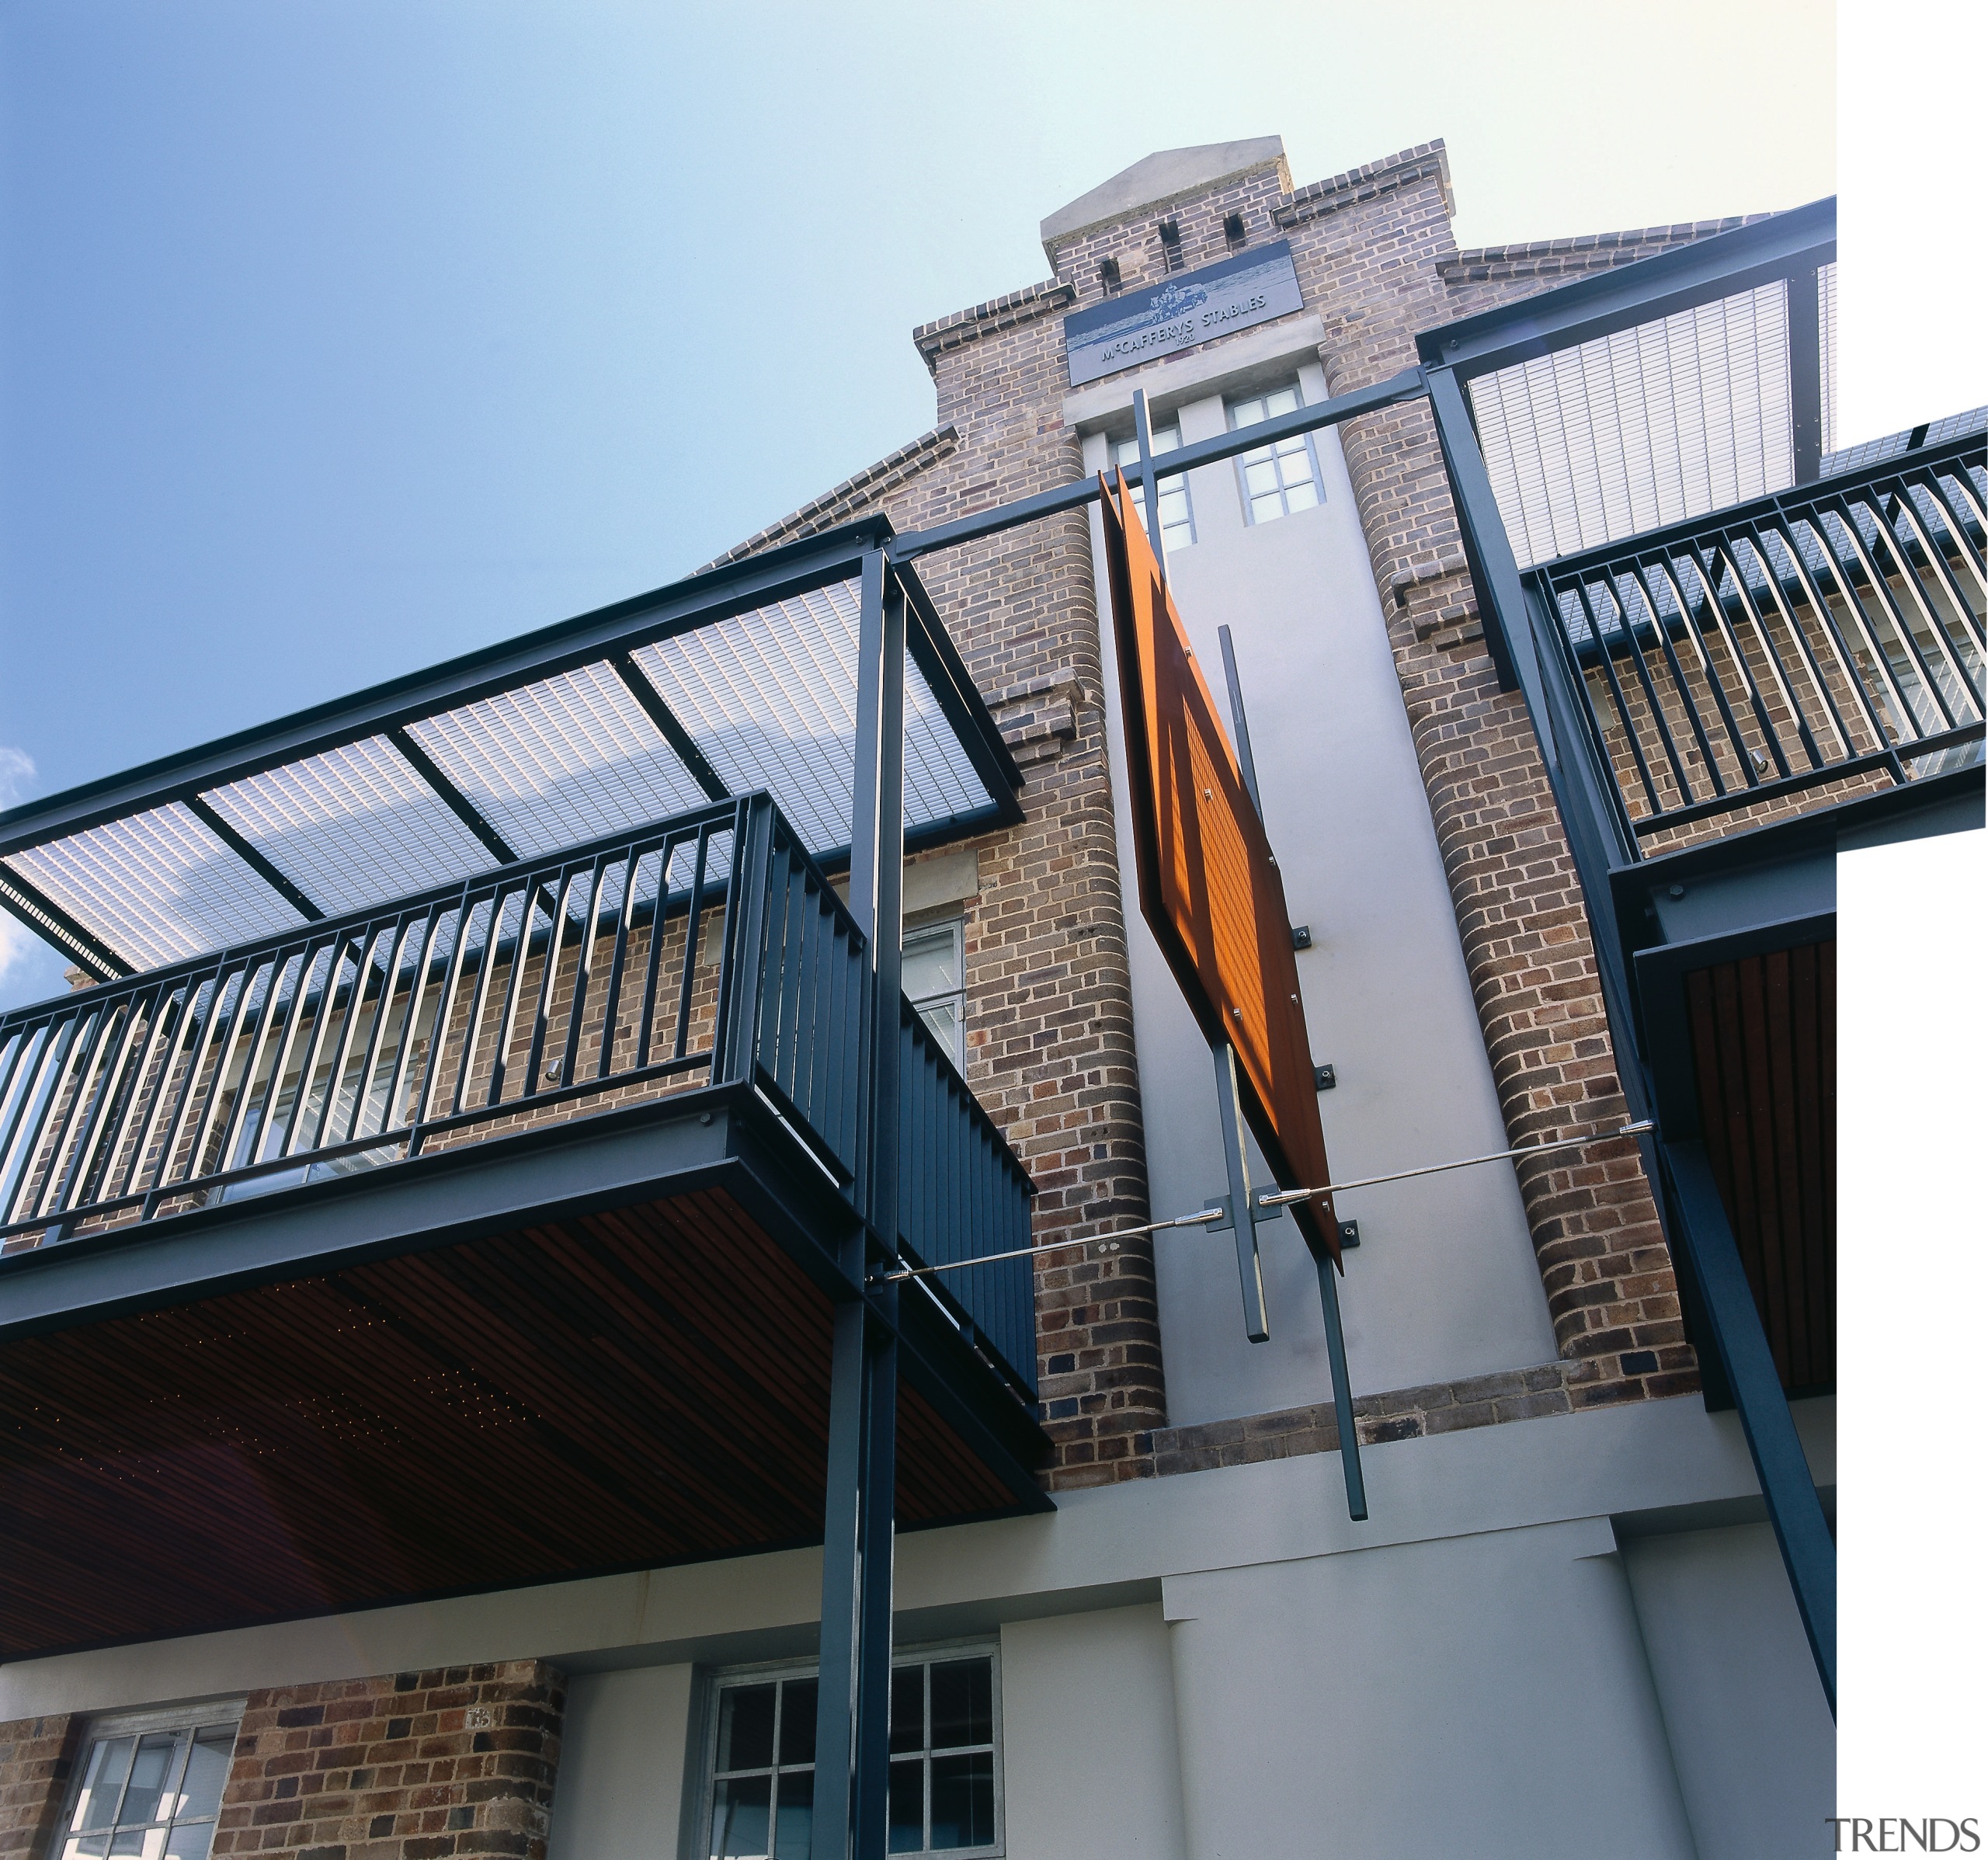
(243, 848)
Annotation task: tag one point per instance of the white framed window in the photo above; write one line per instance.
(1278, 478)
(945, 1789)
(934, 981)
(1176, 512)
(148, 1785)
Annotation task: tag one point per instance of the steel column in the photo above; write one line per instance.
(852, 1765)
(1794, 1507)
(1805, 372)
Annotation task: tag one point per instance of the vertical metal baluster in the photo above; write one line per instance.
(1957, 527)
(129, 1069)
(1687, 793)
(514, 990)
(1845, 658)
(202, 1043)
(583, 970)
(178, 1019)
(51, 1064)
(1897, 616)
(1663, 632)
(417, 993)
(617, 962)
(1817, 678)
(561, 903)
(1726, 561)
(106, 1115)
(500, 902)
(659, 922)
(1852, 598)
(1936, 560)
(256, 1041)
(391, 952)
(1714, 682)
(1607, 658)
(226, 1045)
(336, 949)
(361, 948)
(293, 1022)
(693, 931)
(109, 1014)
(445, 1006)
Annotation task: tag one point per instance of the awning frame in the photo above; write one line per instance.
(607, 634)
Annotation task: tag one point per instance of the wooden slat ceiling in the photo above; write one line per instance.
(614, 1391)
(1764, 1041)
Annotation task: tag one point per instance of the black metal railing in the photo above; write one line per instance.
(1808, 637)
(707, 950)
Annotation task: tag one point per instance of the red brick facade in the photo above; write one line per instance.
(447, 1764)
(36, 1757)
(1048, 991)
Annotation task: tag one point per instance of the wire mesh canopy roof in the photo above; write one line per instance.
(740, 679)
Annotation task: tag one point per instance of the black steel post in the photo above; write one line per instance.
(1805, 372)
(1148, 480)
(1243, 1209)
(852, 1772)
(1794, 1507)
(1245, 756)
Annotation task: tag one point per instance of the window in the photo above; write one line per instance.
(945, 1787)
(1235, 232)
(149, 1787)
(935, 982)
(1176, 515)
(1279, 479)
(1171, 254)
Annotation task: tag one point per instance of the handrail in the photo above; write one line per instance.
(1807, 638)
(707, 950)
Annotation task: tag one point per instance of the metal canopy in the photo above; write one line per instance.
(739, 679)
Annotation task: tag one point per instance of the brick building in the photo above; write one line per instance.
(1180, 1644)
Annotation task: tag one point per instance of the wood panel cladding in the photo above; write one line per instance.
(618, 1390)
(1763, 1045)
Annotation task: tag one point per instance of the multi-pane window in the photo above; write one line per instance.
(1176, 515)
(934, 981)
(150, 1790)
(1278, 478)
(944, 1785)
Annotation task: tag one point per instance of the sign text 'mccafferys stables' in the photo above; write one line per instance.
(1194, 306)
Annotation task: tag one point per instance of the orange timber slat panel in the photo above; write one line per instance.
(1209, 886)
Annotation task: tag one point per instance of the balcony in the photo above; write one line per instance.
(500, 1231)
(1753, 651)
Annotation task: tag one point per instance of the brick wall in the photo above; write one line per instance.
(35, 1757)
(1048, 992)
(451, 1764)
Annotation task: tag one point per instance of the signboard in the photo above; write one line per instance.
(1195, 307)
(1209, 887)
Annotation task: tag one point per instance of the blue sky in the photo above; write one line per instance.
(336, 338)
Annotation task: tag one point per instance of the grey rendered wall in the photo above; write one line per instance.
(1444, 1284)
(1749, 1729)
(621, 1765)
(1479, 1696)
(1092, 1764)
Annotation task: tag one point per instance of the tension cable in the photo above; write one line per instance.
(1275, 1198)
